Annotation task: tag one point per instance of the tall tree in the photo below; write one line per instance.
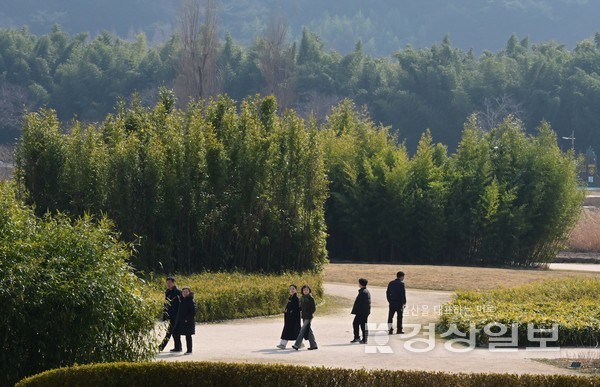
(276, 60)
(197, 75)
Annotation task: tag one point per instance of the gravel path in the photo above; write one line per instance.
(254, 341)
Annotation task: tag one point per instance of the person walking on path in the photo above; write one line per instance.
(396, 297)
(308, 308)
(171, 311)
(361, 311)
(291, 318)
(186, 323)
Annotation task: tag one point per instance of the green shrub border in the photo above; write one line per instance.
(149, 374)
(570, 302)
(224, 296)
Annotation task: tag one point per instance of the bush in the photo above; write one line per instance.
(211, 188)
(67, 293)
(223, 296)
(246, 375)
(571, 303)
(503, 198)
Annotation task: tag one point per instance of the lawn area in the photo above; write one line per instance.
(448, 278)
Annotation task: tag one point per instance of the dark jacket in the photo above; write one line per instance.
(362, 304)
(396, 293)
(291, 319)
(172, 298)
(308, 307)
(186, 325)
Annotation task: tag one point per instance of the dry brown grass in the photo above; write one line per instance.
(448, 278)
(585, 237)
(589, 362)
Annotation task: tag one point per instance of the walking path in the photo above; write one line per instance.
(575, 266)
(254, 341)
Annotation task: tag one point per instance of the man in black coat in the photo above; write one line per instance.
(171, 312)
(361, 310)
(396, 296)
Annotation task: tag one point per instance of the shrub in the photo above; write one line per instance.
(503, 198)
(247, 375)
(222, 296)
(571, 303)
(216, 187)
(67, 293)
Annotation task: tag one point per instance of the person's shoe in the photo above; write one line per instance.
(363, 341)
(176, 350)
(294, 346)
(391, 332)
(356, 340)
(312, 348)
(400, 332)
(281, 346)
(188, 353)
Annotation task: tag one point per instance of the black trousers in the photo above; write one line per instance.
(360, 321)
(395, 307)
(188, 342)
(176, 339)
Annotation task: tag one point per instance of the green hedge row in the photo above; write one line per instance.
(224, 296)
(572, 303)
(246, 375)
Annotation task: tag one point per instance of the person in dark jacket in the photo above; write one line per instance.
(308, 309)
(396, 296)
(291, 318)
(361, 311)
(186, 324)
(170, 313)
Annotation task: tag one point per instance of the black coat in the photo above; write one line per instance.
(396, 293)
(291, 319)
(362, 304)
(308, 306)
(186, 325)
(172, 298)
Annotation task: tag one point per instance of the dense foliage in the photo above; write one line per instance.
(504, 197)
(215, 188)
(570, 303)
(210, 188)
(247, 375)
(229, 295)
(67, 293)
(384, 26)
(435, 88)
(73, 74)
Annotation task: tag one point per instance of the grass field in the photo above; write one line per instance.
(448, 278)
(585, 237)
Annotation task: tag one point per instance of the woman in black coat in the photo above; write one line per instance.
(291, 318)
(186, 325)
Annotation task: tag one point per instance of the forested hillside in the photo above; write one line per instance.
(416, 89)
(384, 26)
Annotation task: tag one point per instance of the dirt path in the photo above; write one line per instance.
(254, 341)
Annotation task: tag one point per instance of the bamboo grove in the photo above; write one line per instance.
(211, 188)
(221, 187)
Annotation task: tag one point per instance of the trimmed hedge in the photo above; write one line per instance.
(224, 296)
(247, 375)
(571, 303)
